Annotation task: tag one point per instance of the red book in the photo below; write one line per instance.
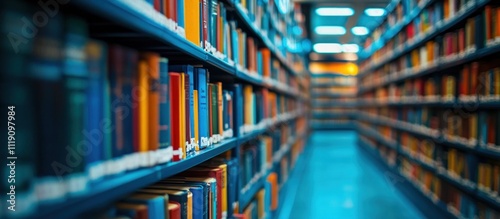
(170, 9)
(491, 129)
(464, 81)
(205, 14)
(174, 210)
(157, 5)
(175, 112)
(474, 73)
(461, 40)
(213, 173)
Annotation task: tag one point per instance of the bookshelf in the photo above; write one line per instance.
(428, 103)
(140, 27)
(334, 99)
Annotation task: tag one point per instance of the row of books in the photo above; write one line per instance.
(211, 189)
(388, 154)
(476, 33)
(456, 163)
(334, 80)
(467, 127)
(476, 81)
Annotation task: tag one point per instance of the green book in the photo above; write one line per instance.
(215, 110)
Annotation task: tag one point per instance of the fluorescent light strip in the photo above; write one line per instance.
(360, 31)
(375, 12)
(330, 30)
(327, 48)
(350, 48)
(334, 11)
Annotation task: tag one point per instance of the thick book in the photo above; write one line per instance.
(142, 107)
(192, 24)
(97, 97)
(174, 210)
(75, 80)
(155, 204)
(131, 210)
(213, 173)
(197, 190)
(164, 126)
(184, 197)
(175, 115)
(202, 86)
(154, 88)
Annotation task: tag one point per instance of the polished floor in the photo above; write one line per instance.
(339, 181)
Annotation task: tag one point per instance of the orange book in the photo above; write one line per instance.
(170, 9)
(272, 178)
(153, 99)
(430, 51)
(487, 23)
(446, 8)
(220, 101)
(192, 24)
(143, 91)
(266, 62)
(497, 22)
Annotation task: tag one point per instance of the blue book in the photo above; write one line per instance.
(199, 191)
(234, 40)
(164, 134)
(180, 13)
(201, 79)
(97, 65)
(213, 23)
(483, 127)
(238, 109)
(130, 67)
(155, 203)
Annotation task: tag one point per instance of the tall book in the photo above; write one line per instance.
(164, 108)
(175, 112)
(202, 86)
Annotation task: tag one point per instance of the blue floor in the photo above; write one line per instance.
(339, 181)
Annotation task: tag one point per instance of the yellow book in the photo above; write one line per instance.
(451, 160)
(473, 126)
(480, 175)
(450, 86)
(220, 99)
(192, 21)
(183, 116)
(487, 176)
(143, 88)
(247, 93)
(261, 196)
(153, 115)
(196, 118)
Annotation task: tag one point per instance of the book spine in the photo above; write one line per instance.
(214, 107)
(203, 108)
(163, 132)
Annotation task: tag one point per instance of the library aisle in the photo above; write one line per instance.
(340, 181)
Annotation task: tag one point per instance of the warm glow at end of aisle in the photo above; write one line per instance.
(346, 68)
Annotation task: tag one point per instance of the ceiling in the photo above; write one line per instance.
(359, 18)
